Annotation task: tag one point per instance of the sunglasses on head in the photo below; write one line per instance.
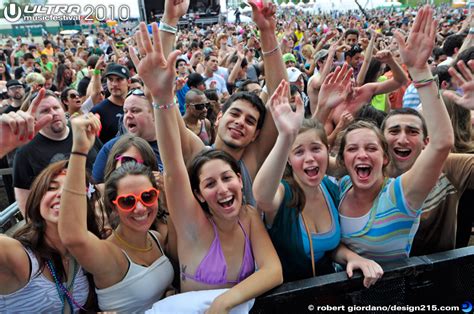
(136, 92)
(201, 106)
(125, 159)
(128, 202)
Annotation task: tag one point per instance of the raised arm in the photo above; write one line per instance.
(421, 178)
(367, 59)
(399, 76)
(95, 88)
(158, 75)
(264, 16)
(267, 189)
(97, 256)
(174, 10)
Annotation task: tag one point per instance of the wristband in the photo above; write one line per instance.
(167, 28)
(159, 107)
(425, 82)
(97, 72)
(471, 31)
(74, 192)
(79, 154)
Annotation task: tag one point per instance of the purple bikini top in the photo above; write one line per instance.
(213, 268)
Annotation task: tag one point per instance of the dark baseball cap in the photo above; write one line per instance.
(11, 83)
(117, 69)
(195, 79)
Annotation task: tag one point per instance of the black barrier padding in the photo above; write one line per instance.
(445, 278)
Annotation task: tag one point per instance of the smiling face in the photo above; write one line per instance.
(141, 218)
(50, 203)
(221, 188)
(404, 134)
(308, 158)
(237, 127)
(364, 158)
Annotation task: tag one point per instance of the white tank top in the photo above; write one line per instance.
(140, 288)
(40, 295)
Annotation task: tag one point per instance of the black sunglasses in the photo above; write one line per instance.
(201, 106)
(136, 92)
(73, 96)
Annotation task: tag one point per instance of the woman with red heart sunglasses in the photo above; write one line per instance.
(130, 269)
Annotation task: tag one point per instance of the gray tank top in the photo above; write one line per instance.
(247, 182)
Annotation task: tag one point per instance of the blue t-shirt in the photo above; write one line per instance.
(101, 159)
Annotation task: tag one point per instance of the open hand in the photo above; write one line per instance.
(286, 120)
(419, 45)
(157, 73)
(336, 87)
(465, 81)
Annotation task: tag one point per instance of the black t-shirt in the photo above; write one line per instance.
(35, 156)
(10, 108)
(110, 115)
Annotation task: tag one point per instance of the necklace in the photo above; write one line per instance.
(63, 292)
(130, 246)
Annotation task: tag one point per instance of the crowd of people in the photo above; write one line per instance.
(192, 170)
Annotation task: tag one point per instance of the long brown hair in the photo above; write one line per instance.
(32, 234)
(298, 199)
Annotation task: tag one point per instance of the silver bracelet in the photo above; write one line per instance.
(471, 31)
(167, 28)
(159, 107)
(266, 53)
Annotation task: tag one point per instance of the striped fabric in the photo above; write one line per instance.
(411, 98)
(389, 233)
(40, 295)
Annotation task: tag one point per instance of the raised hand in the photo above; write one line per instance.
(336, 87)
(157, 73)
(18, 128)
(419, 45)
(263, 14)
(464, 80)
(84, 130)
(174, 10)
(286, 120)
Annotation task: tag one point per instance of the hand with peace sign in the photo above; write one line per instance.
(18, 128)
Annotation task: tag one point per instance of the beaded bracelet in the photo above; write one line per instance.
(167, 28)
(159, 107)
(266, 53)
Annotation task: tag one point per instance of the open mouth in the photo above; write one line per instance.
(131, 126)
(312, 171)
(402, 152)
(226, 202)
(363, 171)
